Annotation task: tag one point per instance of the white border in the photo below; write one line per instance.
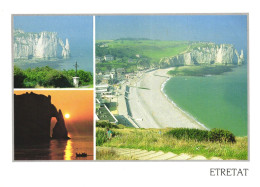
(126, 173)
(94, 86)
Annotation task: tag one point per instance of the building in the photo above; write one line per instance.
(103, 45)
(108, 57)
(98, 59)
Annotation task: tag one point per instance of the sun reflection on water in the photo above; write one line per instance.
(68, 151)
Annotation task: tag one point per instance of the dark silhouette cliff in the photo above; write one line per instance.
(32, 118)
(60, 131)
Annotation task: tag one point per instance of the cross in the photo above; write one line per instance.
(76, 66)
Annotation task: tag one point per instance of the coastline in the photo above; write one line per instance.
(175, 105)
(151, 107)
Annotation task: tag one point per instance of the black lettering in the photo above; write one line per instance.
(223, 172)
(217, 171)
(212, 172)
(234, 171)
(245, 171)
(240, 172)
(228, 172)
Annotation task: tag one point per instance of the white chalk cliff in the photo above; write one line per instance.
(65, 48)
(208, 53)
(41, 45)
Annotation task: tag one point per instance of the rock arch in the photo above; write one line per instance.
(32, 119)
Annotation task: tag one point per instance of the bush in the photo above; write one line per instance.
(57, 79)
(85, 78)
(187, 134)
(215, 135)
(48, 77)
(19, 77)
(105, 124)
(101, 137)
(221, 136)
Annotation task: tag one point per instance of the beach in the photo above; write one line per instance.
(150, 107)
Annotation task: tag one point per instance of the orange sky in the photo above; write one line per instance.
(78, 103)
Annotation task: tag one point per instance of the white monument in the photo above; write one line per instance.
(76, 78)
(76, 81)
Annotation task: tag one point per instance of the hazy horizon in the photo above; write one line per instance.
(228, 29)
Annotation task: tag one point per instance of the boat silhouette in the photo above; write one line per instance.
(81, 154)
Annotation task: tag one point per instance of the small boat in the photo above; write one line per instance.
(81, 155)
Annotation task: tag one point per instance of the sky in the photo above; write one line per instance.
(73, 27)
(231, 29)
(77, 103)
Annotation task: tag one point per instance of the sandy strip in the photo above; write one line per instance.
(151, 108)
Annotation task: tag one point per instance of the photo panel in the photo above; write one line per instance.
(53, 125)
(53, 51)
(171, 87)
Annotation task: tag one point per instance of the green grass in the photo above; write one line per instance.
(201, 70)
(159, 140)
(111, 155)
(153, 49)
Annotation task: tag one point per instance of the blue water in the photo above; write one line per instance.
(218, 101)
(80, 52)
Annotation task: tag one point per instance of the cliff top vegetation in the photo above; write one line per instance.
(49, 78)
(202, 70)
(191, 141)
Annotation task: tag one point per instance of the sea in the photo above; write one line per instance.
(58, 149)
(216, 101)
(80, 53)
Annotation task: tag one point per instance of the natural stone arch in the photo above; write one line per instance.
(32, 118)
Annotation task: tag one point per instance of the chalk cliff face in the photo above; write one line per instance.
(65, 48)
(208, 54)
(39, 45)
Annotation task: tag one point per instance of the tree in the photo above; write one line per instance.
(57, 79)
(19, 77)
(85, 77)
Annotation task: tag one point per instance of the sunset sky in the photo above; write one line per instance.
(77, 103)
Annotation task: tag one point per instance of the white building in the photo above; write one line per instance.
(108, 57)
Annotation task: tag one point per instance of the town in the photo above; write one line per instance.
(112, 86)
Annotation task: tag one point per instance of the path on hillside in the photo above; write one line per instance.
(139, 154)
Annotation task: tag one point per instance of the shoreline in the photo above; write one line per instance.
(151, 107)
(175, 105)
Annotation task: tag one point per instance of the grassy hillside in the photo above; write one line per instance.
(153, 49)
(150, 52)
(164, 140)
(201, 70)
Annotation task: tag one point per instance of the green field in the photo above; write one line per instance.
(150, 52)
(153, 49)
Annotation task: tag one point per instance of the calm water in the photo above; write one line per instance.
(80, 53)
(58, 149)
(218, 101)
